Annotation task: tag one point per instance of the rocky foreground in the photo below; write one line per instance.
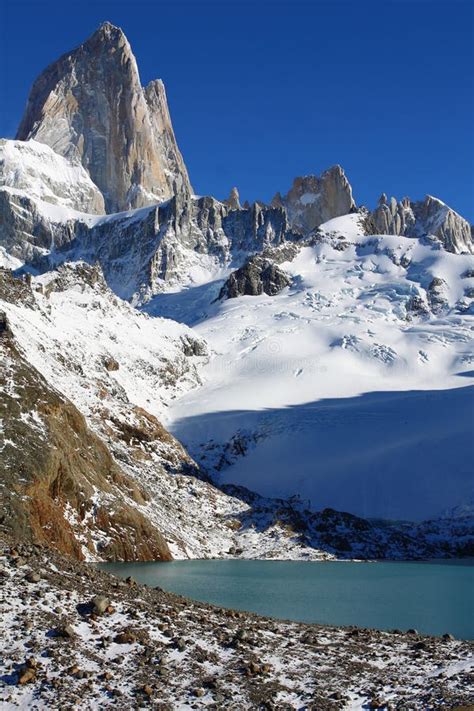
(77, 638)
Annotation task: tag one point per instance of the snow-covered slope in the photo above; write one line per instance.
(348, 386)
(121, 369)
(42, 174)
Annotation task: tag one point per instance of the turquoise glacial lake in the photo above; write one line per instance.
(432, 597)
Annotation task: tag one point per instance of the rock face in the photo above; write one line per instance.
(143, 252)
(44, 175)
(90, 107)
(393, 218)
(27, 231)
(256, 276)
(423, 218)
(314, 200)
(233, 201)
(433, 217)
(55, 471)
(82, 473)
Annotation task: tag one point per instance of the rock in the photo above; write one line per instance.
(437, 293)
(66, 631)
(138, 255)
(110, 364)
(90, 107)
(257, 276)
(420, 646)
(130, 581)
(199, 692)
(424, 218)
(100, 603)
(33, 577)
(233, 201)
(27, 676)
(313, 200)
(417, 306)
(392, 218)
(434, 217)
(194, 346)
(125, 637)
(180, 644)
(253, 668)
(147, 690)
(447, 637)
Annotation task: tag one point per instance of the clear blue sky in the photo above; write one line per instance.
(263, 91)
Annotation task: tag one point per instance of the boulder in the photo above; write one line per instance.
(257, 276)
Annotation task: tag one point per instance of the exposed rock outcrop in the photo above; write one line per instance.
(141, 257)
(233, 201)
(27, 232)
(90, 107)
(393, 218)
(256, 276)
(437, 295)
(314, 200)
(58, 478)
(428, 217)
(143, 251)
(434, 217)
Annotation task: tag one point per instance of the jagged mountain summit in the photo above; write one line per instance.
(114, 141)
(90, 107)
(313, 200)
(430, 216)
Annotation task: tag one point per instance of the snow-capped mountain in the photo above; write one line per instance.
(90, 107)
(234, 369)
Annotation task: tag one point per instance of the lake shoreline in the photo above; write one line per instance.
(434, 597)
(154, 648)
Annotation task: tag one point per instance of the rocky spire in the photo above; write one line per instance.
(423, 218)
(233, 201)
(90, 107)
(313, 200)
(277, 200)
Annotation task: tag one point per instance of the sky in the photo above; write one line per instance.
(261, 92)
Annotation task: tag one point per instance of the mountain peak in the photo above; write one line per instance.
(89, 106)
(108, 28)
(108, 34)
(313, 200)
